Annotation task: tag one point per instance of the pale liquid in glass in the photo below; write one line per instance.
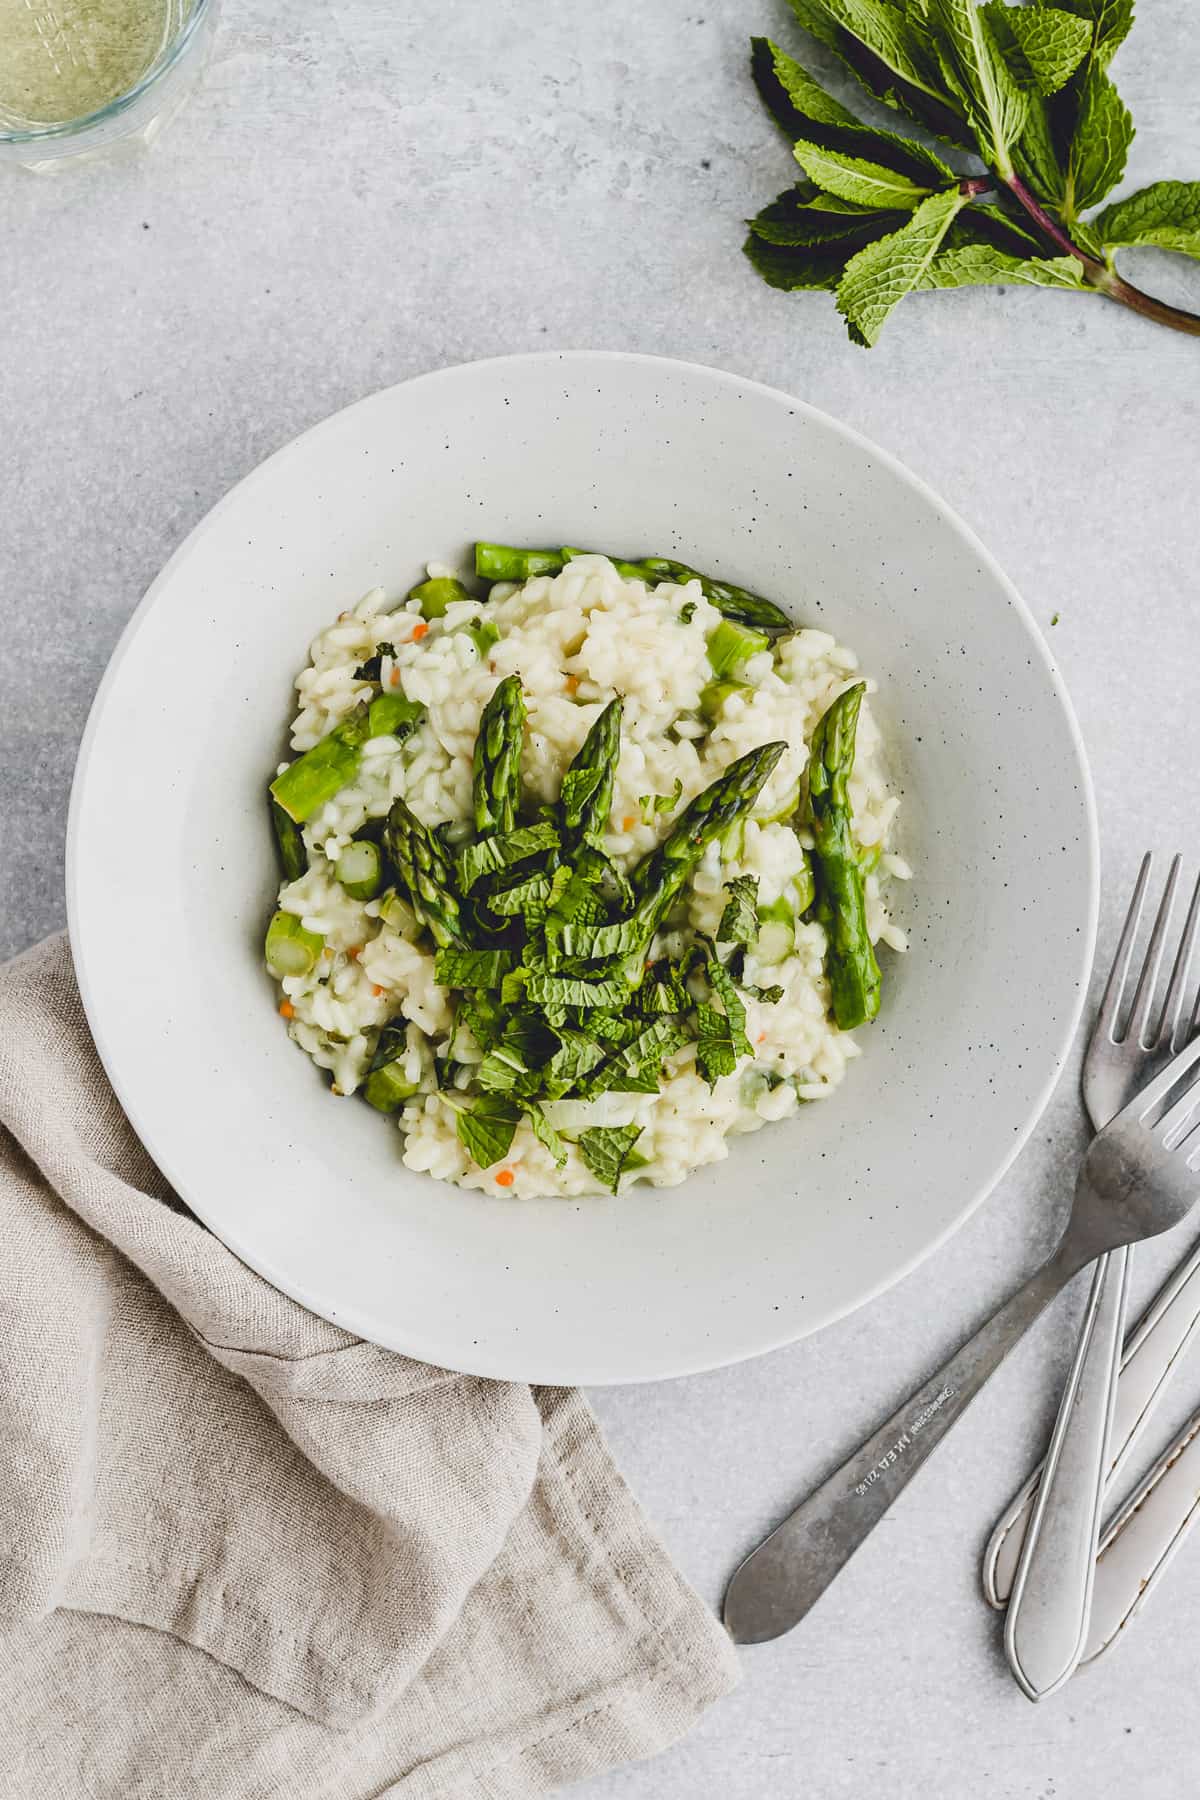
(63, 59)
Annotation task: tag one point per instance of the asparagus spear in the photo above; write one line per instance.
(587, 787)
(734, 602)
(359, 869)
(853, 971)
(497, 766)
(289, 949)
(436, 594)
(502, 562)
(317, 776)
(293, 857)
(424, 869)
(658, 879)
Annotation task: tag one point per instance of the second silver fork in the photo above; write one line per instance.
(1057, 1518)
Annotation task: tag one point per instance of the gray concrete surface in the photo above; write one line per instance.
(361, 192)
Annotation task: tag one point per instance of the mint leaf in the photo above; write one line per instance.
(793, 221)
(545, 1134)
(574, 1058)
(472, 968)
(768, 996)
(794, 270)
(878, 278)
(1103, 134)
(889, 34)
(1110, 21)
(735, 1012)
(606, 1148)
(651, 804)
(495, 853)
(1166, 214)
(611, 1027)
(591, 942)
(1036, 155)
(483, 1018)
(856, 178)
(525, 899)
(739, 921)
(578, 786)
(513, 1066)
(789, 92)
(977, 74)
(715, 1056)
(565, 990)
(1043, 42)
(981, 265)
(486, 1132)
(663, 991)
(639, 1061)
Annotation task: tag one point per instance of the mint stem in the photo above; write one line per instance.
(1102, 278)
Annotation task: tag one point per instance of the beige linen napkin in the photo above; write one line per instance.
(243, 1554)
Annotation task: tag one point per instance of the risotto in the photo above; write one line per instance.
(584, 870)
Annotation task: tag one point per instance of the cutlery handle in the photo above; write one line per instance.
(1151, 1354)
(1051, 1598)
(1143, 1537)
(781, 1580)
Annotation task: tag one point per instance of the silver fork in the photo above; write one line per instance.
(1141, 1176)
(1055, 1520)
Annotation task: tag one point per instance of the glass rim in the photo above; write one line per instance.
(112, 109)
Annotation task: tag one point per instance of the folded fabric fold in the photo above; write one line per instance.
(408, 1576)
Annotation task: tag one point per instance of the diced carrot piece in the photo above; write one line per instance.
(571, 684)
(505, 1178)
(628, 822)
(395, 678)
(287, 1009)
(419, 631)
(376, 989)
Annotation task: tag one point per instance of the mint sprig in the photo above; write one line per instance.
(1037, 137)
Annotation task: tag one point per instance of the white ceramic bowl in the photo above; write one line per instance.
(171, 875)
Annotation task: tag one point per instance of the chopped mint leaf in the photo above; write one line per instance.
(371, 670)
(638, 1062)
(651, 804)
(735, 1012)
(545, 1133)
(486, 1131)
(526, 898)
(575, 1056)
(456, 968)
(589, 942)
(739, 921)
(687, 612)
(490, 855)
(606, 1148)
(565, 990)
(769, 996)
(715, 1056)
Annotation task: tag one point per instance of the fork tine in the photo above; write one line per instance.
(1169, 1036)
(1143, 997)
(1115, 985)
(1176, 1123)
(1164, 1081)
